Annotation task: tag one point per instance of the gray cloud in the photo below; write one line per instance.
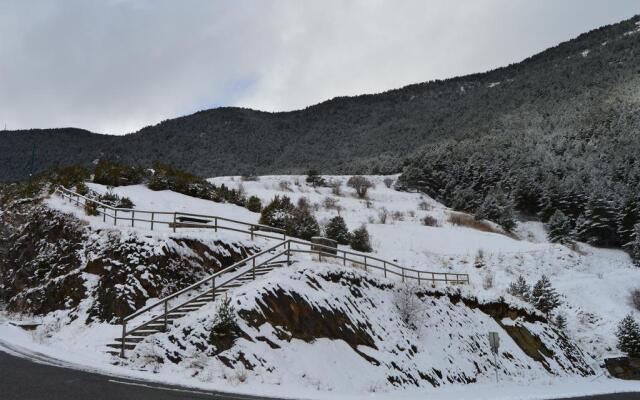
(114, 66)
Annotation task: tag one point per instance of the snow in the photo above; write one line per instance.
(593, 283)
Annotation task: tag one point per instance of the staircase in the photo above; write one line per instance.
(136, 336)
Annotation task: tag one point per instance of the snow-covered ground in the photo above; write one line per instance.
(594, 283)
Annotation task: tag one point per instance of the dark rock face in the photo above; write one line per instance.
(623, 367)
(47, 260)
(40, 272)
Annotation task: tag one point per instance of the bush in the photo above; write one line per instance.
(388, 182)
(331, 203)
(382, 215)
(520, 289)
(360, 240)
(428, 220)
(314, 178)
(360, 184)
(82, 189)
(337, 230)
(424, 206)
(397, 216)
(479, 260)
(69, 176)
(467, 221)
(254, 204)
(114, 174)
(91, 208)
(408, 305)
(298, 222)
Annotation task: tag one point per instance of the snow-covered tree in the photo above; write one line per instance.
(598, 226)
(360, 240)
(560, 322)
(497, 207)
(628, 215)
(277, 213)
(543, 296)
(628, 334)
(337, 230)
(303, 224)
(559, 228)
(634, 246)
(520, 289)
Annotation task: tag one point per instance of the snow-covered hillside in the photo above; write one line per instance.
(594, 283)
(450, 345)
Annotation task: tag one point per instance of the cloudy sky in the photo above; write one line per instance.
(114, 66)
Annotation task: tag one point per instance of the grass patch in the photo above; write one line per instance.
(468, 221)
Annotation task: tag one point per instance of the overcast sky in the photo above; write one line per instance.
(114, 66)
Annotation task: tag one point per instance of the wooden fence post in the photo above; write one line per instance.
(152, 217)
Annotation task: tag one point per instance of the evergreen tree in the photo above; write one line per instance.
(599, 225)
(302, 224)
(634, 247)
(254, 204)
(277, 213)
(543, 296)
(628, 334)
(314, 178)
(560, 322)
(520, 289)
(360, 240)
(337, 230)
(628, 216)
(559, 228)
(498, 208)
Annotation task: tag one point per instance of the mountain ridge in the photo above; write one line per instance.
(356, 134)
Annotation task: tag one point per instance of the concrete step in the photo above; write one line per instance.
(130, 340)
(144, 332)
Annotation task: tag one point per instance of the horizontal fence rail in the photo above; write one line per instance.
(173, 220)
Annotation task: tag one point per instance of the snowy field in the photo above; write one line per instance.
(594, 284)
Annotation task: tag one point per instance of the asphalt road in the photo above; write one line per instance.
(24, 379)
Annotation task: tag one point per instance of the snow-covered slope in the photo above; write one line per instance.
(594, 283)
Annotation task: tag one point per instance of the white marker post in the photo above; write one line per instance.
(494, 342)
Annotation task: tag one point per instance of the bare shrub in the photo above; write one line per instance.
(336, 188)
(411, 213)
(303, 203)
(368, 203)
(424, 206)
(285, 186)
(428, 220)
(397, 216)
(487, 281)
(360, 184)
(408, 305)
(468, 221)
(634, 298)
(479, 261)
(382, 215)
(249, 178)
(330, 203)
(388, 182)
(91, 208)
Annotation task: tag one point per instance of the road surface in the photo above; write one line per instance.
(24, 379)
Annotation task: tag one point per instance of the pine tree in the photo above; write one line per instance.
(498, 208)
(628, 334)
(628, 216)
(337, 230)
(360, 240)
(277, 213)
(254, 204)
(634, 246)
(560, 322)
(520, 289)
(314, 178)
(302, 224)
(559, 228)
(599, 226)
(543, 296)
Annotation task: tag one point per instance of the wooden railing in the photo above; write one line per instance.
(173, 220)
